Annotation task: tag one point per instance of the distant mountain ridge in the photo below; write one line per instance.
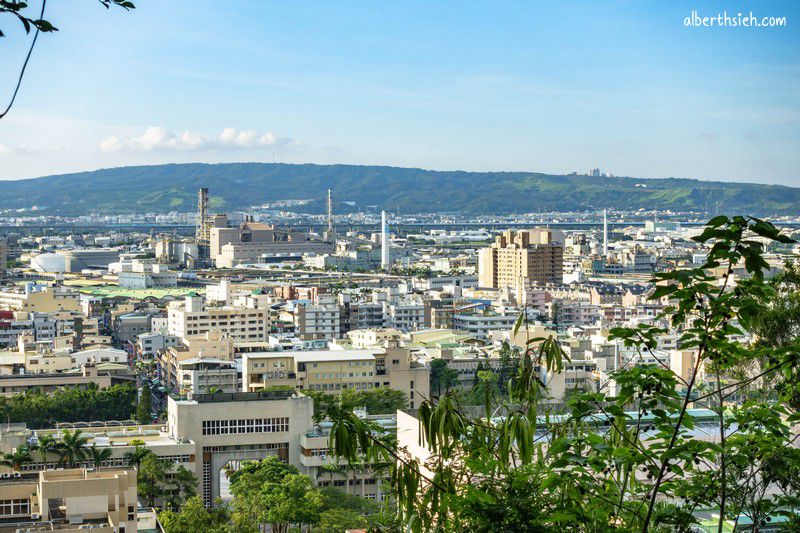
(233, 186)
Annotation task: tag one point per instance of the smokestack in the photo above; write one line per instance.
(384, 242)
(605, 232)
(330, 211)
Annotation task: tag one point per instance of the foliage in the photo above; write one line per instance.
(72, 448)
(442, 377)
(144, 408)
(29, 22)
(69, 404)
(271, 492)
(624, 457)
(152, 472)
(98, 455)
(381, 400)
(193, 516)
(154, 188)
(16, 459)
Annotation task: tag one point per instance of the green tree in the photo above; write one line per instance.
(271, 492)
(383, 400)
(622, 458)
(139, 452)
(72, 447)
(338, 520)
(144, 410)
(152, 472)
(193, 517)
(45, 445)
(98, 455)
(17, 458)
(184, 486)
(442, 377)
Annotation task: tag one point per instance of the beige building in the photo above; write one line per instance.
(519, 257)
(332, 371)
(71, 501)
(249, 241)
(192, 317)
(41, 300)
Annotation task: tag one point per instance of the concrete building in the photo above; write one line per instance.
(138, 275)
(250, 241)
(72, 501)
(517, 257)
(89, 259)
(41, 299)
(193, 317)
(318, 320)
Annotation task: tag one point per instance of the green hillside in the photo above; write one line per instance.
(161, 188)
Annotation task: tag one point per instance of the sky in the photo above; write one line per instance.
(553, 87)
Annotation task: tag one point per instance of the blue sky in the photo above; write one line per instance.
(554, 87)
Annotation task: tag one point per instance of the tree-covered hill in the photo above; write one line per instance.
(161, 188)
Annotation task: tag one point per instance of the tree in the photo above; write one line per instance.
(45, 445)
(17, 458)
(383, 400)
(338, 520)
(151, 475)
(184, 486)
(442, 376)
(292, 501)
(193, 517)
(144, 410)
(139, 452)
(39, 24)
(271, 492)
(98, 455)
(72, 449)
(621, 458)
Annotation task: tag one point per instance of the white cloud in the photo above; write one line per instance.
(160, 138)
(6, 149)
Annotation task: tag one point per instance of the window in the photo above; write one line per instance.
(250, 425)
(14, 507)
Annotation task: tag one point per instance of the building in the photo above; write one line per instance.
(193, 317)
(3, 257)
(380, 365)
(89, 259)
(52, 381)
(252, 242)
(71, 501)
(41, 299)
(138, 275)
(517, 257)
(317, 320)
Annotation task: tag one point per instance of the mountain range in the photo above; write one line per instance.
(234, 186)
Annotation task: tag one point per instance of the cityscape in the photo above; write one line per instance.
(197, 337)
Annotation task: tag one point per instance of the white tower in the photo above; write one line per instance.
(605, 232)
(385, 259)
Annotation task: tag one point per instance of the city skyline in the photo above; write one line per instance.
(622, 86)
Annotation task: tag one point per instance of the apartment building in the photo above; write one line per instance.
(193, 317)
(327, 371)
(318, 320)
(41, 299)
(535, 256)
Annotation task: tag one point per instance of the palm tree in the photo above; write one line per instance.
(71, 447)
(16, 459)
(138, 453)
(45, 444)
(98, 455)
